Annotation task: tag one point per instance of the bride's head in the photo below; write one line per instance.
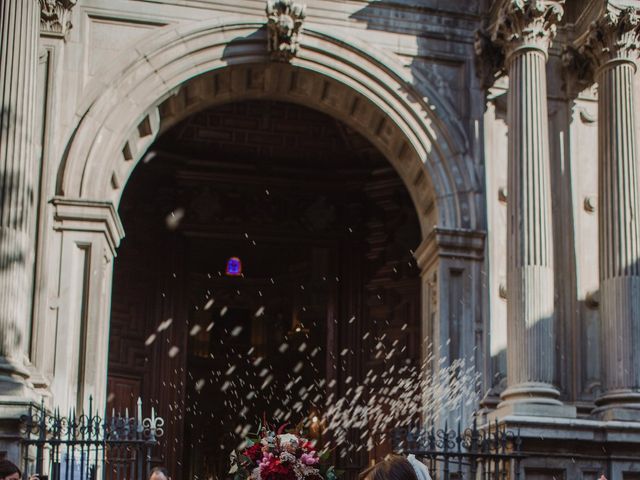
(393, 467)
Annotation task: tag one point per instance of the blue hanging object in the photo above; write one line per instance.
(234, 267)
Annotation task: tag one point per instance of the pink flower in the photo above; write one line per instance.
(309, 459)
(266, 459)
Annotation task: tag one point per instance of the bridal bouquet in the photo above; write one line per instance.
(275, 455)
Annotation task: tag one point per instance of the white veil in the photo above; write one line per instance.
(422, 472)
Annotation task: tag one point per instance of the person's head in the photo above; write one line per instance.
(394, 467)
(9, 471)
(159, 473)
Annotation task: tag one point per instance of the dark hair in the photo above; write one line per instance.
(160, 470)
(8, 468)
(393, 467)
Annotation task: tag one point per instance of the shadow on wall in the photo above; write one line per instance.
(235, 47)
(434, 39)
(447, 69)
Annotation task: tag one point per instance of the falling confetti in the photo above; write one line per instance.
(149, 156)
(266, 382)
(150, 339)
(173, 351)
(236, 331)
(164, 325)
(174, 218)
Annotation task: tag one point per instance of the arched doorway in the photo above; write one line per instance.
(182, 70)
(329, 292)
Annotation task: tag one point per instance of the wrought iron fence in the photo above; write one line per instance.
(489, 453)
(88, 446)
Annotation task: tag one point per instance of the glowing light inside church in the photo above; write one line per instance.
(234, 267)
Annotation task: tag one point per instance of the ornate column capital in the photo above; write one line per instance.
(55, 17)
(515, 25)
(526, 24)
(613, 37)
(284, 27)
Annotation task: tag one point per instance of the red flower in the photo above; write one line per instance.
(254, 452)
(276, 470)
(308, 447)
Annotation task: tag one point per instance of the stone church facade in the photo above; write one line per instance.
(509, 124)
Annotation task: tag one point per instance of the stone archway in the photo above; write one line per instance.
(189, 68)
(181, 70)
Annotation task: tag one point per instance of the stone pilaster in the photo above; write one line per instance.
(611, 43)
(524, 30)
(19, 26)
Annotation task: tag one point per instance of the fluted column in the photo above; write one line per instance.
(611, 45)
(19, 27)
(530, 281)
(524, 30)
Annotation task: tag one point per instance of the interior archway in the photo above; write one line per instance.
(325, 230)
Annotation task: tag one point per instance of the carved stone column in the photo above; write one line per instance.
(611, 43)
(523, 30)
(19, 26)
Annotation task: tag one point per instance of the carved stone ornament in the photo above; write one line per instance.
(55, 16)
(614, 36)
(515, 24)
(526, 23)
(284, 27)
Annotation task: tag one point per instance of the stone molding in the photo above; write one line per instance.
(284, 27)
(450, 243)
(92, 216)
(55, 17)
